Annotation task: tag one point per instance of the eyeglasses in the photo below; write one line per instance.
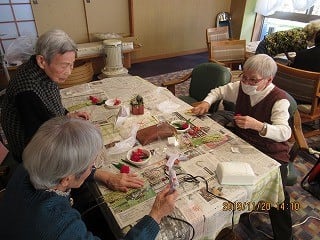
(249, 81)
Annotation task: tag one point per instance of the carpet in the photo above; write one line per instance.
(306, 204)
(181, 89)
(167, 65)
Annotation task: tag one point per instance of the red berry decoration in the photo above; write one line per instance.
(138, 155)
(185, 125)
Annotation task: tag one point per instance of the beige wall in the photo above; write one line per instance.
(173, 27)
(164, 28)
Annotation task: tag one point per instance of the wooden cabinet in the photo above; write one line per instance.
(81, 19)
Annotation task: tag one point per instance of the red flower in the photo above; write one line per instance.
(124, 169)
(116, 102)
(94, 99)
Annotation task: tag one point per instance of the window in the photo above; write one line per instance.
(16, 19)
(288, 18)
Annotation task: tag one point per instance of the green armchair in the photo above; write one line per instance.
(203, 78)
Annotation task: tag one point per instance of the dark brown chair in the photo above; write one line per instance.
(299, 142)
(304, 87)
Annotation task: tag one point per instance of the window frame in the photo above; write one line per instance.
(282, 15)
(15, 22)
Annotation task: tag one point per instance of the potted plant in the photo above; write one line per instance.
(137, 106)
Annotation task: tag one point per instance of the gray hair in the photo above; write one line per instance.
(311, 28)
(61, 147)
(261, 64)
(54, 42)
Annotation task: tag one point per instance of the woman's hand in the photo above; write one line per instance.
(248, 122)
(201, 108)
(118, 182)
(82, 115)
(164, 204)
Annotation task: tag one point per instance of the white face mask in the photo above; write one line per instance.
(249, 89)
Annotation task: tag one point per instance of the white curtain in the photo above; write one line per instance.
(269, 7)
(302, 5)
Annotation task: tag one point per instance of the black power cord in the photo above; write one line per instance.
(226, 232)
(184, 221)
(190, 178)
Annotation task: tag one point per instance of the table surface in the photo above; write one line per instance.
(207, 214)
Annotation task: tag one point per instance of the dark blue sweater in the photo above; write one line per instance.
(27, 213)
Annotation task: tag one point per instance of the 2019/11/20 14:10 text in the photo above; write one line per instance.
(262, 206)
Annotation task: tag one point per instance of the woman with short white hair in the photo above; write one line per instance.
(261, 118)
(58, 158)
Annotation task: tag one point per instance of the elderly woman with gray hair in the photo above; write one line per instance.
(261, 118)
(58, 158)
(33, 97)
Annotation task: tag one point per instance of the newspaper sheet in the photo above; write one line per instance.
(206, 144)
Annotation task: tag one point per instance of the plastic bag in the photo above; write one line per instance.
(20, 50)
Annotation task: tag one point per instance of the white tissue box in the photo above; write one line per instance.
(235, 173)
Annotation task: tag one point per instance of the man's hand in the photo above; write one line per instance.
(118, 182)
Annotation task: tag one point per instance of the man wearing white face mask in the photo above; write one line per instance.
(261, 118)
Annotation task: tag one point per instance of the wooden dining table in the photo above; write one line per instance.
(204, 206)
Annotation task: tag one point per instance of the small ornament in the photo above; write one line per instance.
(137, 105)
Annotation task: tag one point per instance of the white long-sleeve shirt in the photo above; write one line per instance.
(279, 130)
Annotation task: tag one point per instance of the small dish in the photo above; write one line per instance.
(181, 125)
(113, 103)
(138, 156)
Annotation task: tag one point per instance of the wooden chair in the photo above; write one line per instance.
(230, 53)
(304, 87)
(80, 74)
(299, 142)
(300, 147)
(216, 34)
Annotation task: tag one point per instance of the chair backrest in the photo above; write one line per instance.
(303, 86)
(299, 144)
(80, 74)
(205, 77)
(216, 34)
(228, 52)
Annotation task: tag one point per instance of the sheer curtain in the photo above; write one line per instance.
(269, 7)
(302, 5)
